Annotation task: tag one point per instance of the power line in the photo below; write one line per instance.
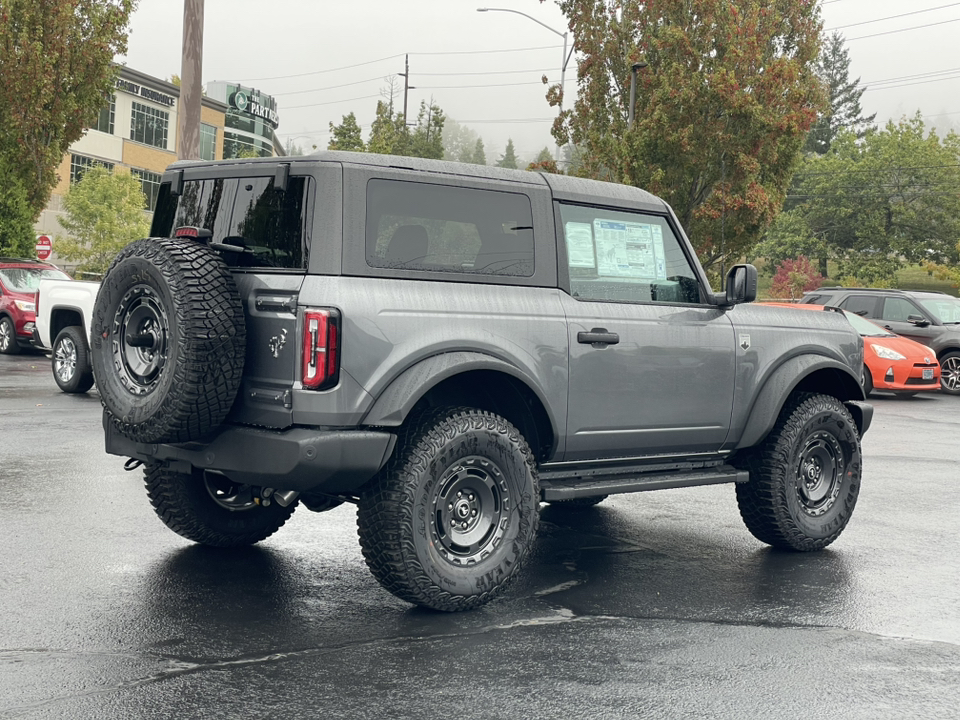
(331, 87)
(892, 17)
(486, 52)
(330, 70)
(332, 102)
(891, 32)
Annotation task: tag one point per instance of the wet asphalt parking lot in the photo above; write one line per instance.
(652, 605)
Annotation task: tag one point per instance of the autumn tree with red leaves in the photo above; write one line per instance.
(795, 277)
(56, 61)
(723, 106)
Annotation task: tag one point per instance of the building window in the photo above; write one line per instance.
(150, 184)
(208, 142)
(105, 122)
(79, 164)
(149, 125)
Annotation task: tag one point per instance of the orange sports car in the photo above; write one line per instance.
(891, 363)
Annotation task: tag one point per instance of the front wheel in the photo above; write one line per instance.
(867, 382)
(71, 361)
(804, 477)
(8, 337)
(950, 373)
(212, 510)
(449, 521)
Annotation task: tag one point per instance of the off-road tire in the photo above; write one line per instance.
(578, 503)
(950, 373)
(70, 361)
(867, 382)
(403, 512)
(180, 296)
(781, 504)
(9, 345)
(185, 505)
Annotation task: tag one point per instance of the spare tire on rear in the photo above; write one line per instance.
(168, 341)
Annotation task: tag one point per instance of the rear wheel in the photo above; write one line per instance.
(950, 373)
(8, 337)
(212, 510)
(804, 477)
(71, 361)
(449, 521)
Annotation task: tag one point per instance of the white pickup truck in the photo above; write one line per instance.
(64, 313)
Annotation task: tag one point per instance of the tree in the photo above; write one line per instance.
(843, 109)
(388, 133)
(347, 135)
(104, 214)
(544, 162)
(876, 203)
(509, 157)
(478, 157)
(458, 141)
(16, 218)
(56, 61)
(795, 277)
(426, 140)
(723, 107)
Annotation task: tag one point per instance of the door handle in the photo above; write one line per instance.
(887, 327)
(598, 336)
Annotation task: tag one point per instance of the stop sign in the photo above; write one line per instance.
(44, 247)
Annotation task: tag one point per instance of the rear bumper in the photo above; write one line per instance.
(302, 459)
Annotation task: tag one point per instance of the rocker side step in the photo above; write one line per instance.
(556, 488)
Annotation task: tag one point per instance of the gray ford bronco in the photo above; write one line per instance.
(448, 346)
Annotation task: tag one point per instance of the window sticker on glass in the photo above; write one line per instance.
(580, 245)
(629, 249)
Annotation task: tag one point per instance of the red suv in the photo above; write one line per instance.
(19, 279)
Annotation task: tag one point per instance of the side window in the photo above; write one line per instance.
(625, 257)
(419, 226)
(245, 212)
(863, 305)
(817, 299)
(898, 309)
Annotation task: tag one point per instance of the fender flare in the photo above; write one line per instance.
(783, 381)
(395, 402)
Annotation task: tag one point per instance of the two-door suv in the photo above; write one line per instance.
(448, 346)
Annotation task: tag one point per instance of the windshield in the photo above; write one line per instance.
(27, 279)
(865, 327)
(945, 308)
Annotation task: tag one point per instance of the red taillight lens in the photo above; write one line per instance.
(321, 348)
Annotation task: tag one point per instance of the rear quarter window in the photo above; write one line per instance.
(439, 228)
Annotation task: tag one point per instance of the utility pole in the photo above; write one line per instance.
(406, 85)
(191, 86)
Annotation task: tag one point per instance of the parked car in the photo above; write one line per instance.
(891, 363)
(448, 345)
(64, 312)
(19, 279)
(930, 318)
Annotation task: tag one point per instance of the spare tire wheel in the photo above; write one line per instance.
(168, 341)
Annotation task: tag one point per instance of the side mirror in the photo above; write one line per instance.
(918, 320)
(741, 285)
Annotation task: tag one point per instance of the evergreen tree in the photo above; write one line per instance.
(509, 157)
(347, 135)
(426, 140)
(844, 111)
(478, 157)
(387, 133)
(16, 217)
(458, 141)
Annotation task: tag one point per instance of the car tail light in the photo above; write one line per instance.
(321, 348)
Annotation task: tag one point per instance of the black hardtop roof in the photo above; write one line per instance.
(879, 290)
(563, 187)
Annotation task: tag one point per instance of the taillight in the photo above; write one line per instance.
(321, 348)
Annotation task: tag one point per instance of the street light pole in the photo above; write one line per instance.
(564, 59)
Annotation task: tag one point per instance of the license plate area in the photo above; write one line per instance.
(928, 373)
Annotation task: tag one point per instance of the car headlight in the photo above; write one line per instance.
(887, 354)
(25, 306)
